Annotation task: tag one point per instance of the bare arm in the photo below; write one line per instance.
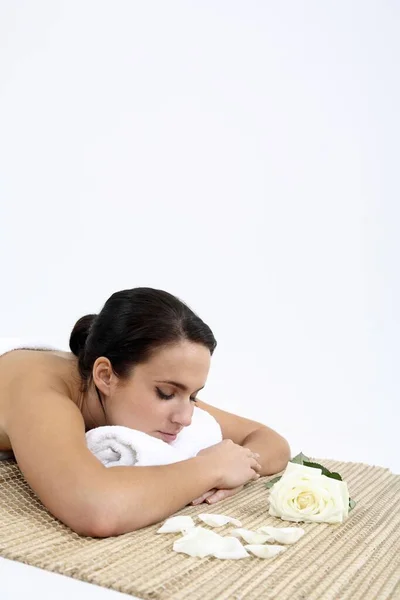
(142, 496)
(47, 434)
(273, 449)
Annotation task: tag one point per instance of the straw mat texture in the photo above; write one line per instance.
(357, 560)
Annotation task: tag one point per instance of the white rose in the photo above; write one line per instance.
(304, 494)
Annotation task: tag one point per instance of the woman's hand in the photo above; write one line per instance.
(214, 495)
(234, 464)
(239, 459)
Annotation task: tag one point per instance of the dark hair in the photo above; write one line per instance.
(131, 326)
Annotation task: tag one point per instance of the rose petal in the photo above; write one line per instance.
(218, 520)
(283, 535)
(231, 548)
(198, 542)
(203, 542)
(177, 524)
(251, 537)
(263, 551)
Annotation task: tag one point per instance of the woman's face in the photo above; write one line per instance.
(148, 400)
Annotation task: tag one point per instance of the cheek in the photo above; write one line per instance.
(140, 408)
(132, 409)
(148, 410)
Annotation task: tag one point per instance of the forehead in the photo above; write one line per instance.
(185, 360)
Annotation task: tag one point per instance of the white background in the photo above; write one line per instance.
(241, 155)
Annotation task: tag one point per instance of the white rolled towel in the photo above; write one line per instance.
(115, 445)
(204, 431)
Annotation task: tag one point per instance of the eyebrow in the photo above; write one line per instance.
(181, 386)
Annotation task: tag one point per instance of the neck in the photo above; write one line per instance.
(91, 408)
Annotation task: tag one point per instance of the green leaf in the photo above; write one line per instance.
(352, 504)
(325, 471)
(272, 482)
(299, 459)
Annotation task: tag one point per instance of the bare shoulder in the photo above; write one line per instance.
(23, 370)
(25, 378)
(37, 395)
(23, 363)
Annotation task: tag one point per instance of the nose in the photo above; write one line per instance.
(183, 417)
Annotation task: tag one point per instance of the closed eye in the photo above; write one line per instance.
(164, 396)
(169, 396)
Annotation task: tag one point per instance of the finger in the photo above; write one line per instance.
(256, 466)
(222, 494)
(218, 496)
(198, 501)
(252, 454)
(203, 497)
(214, 498)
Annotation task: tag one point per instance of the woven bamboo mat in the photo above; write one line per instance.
(358, 560)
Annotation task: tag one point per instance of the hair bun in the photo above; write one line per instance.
(80, 333)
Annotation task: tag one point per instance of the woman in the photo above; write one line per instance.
(140, 363)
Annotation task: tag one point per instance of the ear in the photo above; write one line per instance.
(103, 376)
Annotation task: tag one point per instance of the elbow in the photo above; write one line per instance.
(102, 522)
(85, 525)
(92, 527)
(104, 526)
(98, 524)
(108, 523)
(104, 515)
(95, 530)
(89, 520)
(280, 459)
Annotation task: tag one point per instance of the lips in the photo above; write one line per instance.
(168, 437)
